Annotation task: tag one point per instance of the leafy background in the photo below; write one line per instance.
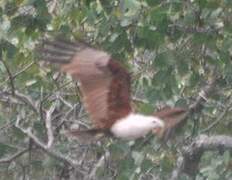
(172, 48)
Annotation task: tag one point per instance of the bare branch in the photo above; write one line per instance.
(45, 148)
(179, 168)
(23, 98)
(191, 155)
(52, 6)
(65, 102)
(203, 96)
(189, 160)
(48, 125)
(100, 163)
(10, 76)
(27, 100)
(219, 118)
(192, 29)
(21, 71)
(139, 100)
(7, 125)
(14, 156)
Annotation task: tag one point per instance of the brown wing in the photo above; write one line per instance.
(104, 83)
(172, 117)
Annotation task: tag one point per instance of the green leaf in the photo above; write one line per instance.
(1, 13)
(126, 168)
(21, 21)
(166, 162)
(146, 165)
(148, 38)
(153, 2)
(159, 19)
(146, 108)
(8, 48)
(18, 134)
(164, 59)
(10, 8)
(6, 149)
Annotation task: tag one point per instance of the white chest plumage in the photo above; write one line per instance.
(135, 126)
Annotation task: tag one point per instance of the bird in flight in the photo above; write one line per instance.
(105, 86)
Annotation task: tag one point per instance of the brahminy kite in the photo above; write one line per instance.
(105, 86)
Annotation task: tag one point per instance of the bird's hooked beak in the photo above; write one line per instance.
(159, 128)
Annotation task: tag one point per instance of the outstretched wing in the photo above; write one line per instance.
(104, 83)
(172, 117)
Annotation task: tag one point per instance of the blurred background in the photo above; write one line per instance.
(172, 48)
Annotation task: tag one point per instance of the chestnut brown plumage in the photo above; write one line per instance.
(173, 118)
(105, 86)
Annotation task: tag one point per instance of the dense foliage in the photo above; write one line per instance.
(173, 48)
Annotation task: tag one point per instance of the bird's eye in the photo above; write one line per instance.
(154, 122)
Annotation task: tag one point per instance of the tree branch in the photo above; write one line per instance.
(100, 163)
(21, 71)
(192, 29)
(189, 160)
(48, 124)
(10, 76)
(23, 98)
(203, 96)
(14, 156)
(46, 148)
(191, 155)
(219, 118)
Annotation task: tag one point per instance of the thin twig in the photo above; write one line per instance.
(10, 76)
(27, 100)
(65, 102)
(23, 98)
(99, 164)
(220, 118)
(21, 71)
(45, 148)
(7, 125)
(14, 156)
